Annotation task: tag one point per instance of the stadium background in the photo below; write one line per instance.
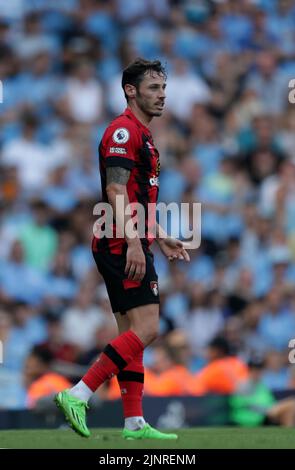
(226, 140)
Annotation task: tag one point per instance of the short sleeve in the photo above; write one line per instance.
(121, 145)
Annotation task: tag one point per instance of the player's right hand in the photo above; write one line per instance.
(135, 261)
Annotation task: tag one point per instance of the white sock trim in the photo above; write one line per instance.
(81, 391)
(134, 422)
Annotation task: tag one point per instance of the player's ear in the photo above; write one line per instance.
(130, 90)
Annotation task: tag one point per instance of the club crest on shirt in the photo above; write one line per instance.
(154, 287)
(154, 181)
(121, 135)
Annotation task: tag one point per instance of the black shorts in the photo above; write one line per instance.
(125, 294)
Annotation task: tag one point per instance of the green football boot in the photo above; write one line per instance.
(147, 432)
(74, 410)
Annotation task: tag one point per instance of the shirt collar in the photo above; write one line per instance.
(129, 113)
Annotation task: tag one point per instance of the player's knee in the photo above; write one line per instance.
(151, 335)
(144, 321)
(147, 333)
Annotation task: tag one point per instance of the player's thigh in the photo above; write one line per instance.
(123, 322)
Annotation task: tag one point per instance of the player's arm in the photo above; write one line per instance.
(117, 179)
(171, 247)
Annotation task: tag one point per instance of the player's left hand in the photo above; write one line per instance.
(174, 249)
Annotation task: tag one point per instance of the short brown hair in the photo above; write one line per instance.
(134, 72)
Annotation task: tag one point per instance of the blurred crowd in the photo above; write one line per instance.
(226, 139)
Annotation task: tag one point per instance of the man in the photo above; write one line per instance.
(223, 374)
(39, 379)
(129, 168)
(254, 404)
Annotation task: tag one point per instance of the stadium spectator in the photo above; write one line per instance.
(81, 319)
(39, 379)
(254, 404)
(38, 238)
(224, 373)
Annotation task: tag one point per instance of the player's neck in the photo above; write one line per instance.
(144, 118)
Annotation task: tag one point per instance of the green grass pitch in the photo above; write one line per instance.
(193, 438)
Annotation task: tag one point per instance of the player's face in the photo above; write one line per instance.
(150, 95)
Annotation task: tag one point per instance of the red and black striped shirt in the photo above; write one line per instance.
(127, 143)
